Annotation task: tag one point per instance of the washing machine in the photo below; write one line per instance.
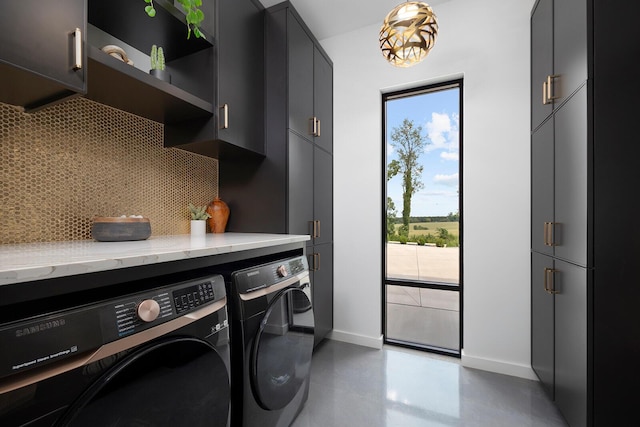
(158, 357)
(272, 325)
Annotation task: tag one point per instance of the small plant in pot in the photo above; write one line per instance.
(158, 65)
(199, 215)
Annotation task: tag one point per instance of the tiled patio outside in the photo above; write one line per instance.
(423, 316)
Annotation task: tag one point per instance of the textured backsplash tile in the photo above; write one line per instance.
(64, 165)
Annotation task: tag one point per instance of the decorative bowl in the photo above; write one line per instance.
(120, 228)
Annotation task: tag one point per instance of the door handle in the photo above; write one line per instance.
(551, 80)
(549, 235)
(549, 282)
(225, 116)
(77, 49)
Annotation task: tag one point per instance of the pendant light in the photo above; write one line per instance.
(408, 33)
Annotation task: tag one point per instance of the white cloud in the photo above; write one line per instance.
(450, 180)
(447, 155)
(390, 149)
(443, 132)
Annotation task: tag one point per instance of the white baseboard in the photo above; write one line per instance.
(498, 366)
(373, 342)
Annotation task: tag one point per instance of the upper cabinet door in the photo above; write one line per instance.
(323, 100)
(300, 69)
(569, 47)
(541, 61)
(240, 66)
(42, 56)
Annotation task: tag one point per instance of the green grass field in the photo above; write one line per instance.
(452, 227)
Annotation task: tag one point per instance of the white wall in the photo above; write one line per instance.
(488, 44)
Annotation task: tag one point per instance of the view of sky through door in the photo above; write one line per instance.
(423, 239)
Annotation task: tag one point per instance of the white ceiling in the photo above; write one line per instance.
(328, 18)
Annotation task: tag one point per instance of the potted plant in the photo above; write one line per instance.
(199, 216)
(192, 11)
(158, 65)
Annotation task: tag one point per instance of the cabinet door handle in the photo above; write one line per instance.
(312, 126)
(317, 128)
(317, 234)
(77, 49)
(551, 79)
(544, 93)
(549, 234)
(549, 282)
(316, 261)
(225, 116)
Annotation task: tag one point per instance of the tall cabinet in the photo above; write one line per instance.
(585, 325)
(291, 189)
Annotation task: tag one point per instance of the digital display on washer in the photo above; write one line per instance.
(193, 296)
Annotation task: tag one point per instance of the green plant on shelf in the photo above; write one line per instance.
(198, 212)
(193, 15)
(157, 58)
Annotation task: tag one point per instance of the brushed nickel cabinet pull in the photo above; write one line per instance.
(549, 234)
(77, 49)
(318, 263)
(544, 93)
(225, 116)
(318, 128)
(312, 126)
(550, 87)
(318, 229)
(549, 282)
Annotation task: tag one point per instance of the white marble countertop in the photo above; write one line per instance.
(37, 261)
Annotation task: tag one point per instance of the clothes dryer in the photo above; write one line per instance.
(272, 342)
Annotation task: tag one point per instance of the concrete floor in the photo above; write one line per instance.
(355, 386)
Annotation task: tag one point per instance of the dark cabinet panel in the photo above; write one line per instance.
(300, 72)
(323, 100)
(42, 57)
(542, 321)
(541, 60)
(240, 74)
(570, 287)
(235, 129)
(569, 46)
(300, 185)
(323, 196)
(322, 287)
(542, 182)
(570, 215)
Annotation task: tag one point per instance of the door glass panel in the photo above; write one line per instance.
(423, 169)
(282, 354)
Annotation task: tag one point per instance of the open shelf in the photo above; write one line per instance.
(114, 83)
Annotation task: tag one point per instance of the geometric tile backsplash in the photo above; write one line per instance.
(64, 165)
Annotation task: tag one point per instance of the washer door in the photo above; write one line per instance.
(176, 382)
(281, 357)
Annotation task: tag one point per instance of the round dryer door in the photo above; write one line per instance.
(176, 382)
(281, 358)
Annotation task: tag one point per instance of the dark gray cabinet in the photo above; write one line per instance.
(42, 53)
(584, 298)
(290, 190)
(559, 333)
(558, 54)
(236, 127)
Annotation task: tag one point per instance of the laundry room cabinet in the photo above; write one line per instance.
(291, 189)
(42, 53)
(585, 320)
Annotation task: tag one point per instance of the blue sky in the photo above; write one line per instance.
(437, 114)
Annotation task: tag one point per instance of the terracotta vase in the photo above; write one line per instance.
(219, 212)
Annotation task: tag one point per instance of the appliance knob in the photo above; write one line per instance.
(282, 271)
(148, 310)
